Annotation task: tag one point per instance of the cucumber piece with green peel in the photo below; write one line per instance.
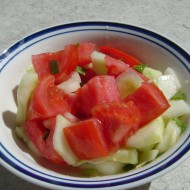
(148, 156)
(177, 108)
(148, 135)
(171, 134)
(105, 168)
(60, 142)
(128, 82)
(127, 156)
(147, 148)
(151, 73)
(98, 63)
(24, 92)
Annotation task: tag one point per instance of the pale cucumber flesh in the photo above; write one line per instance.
(148, 135)
(72, 84)
(98, 63)
(177, 108)
(128, 82)
(171, 134)
(105, 168)
(151, 73)
(60, 143)
(167, 84)
(148, 156)
(24, 92)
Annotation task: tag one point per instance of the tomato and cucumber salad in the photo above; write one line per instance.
(87, 107)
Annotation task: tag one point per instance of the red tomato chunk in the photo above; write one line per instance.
(67, 60)
(119, 120)
(37, 134)
(86, 139)
(115, 67)
(98, 90)
(85, 50)
(150, 101)
(47, 100)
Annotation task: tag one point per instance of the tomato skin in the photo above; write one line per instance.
(115, 67)
(71, 100)
(41, 63)
(97, 90)
(36, 132)
(85, 50)
(150, 101)
(118, 54)
(86, 139)
(47, 100)
(119, 121)
(69, 62)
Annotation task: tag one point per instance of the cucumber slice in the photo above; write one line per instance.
(105, 168)
(177, 109)
(72, 84)
(167, 84)
(98, 63)
(25, 89)
(89, 172)
(147, 148)
(148, 156)
(127, 156)
(151, 73)
(60, 143)
(128, 82)
(170, 71)
(148, 135)
(171, 134)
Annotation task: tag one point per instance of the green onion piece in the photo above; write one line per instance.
(80, 70)
(54, 66)
(89, 172)
(182, 124)
(140, 67)
(128, 167)
(46, 135)
(179, 96)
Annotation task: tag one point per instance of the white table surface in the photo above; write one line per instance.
(170, 18)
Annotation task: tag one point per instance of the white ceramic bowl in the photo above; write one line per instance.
(150, 47)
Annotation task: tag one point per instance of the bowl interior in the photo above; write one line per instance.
(153, 51)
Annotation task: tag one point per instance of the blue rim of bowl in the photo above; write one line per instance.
(111, 24)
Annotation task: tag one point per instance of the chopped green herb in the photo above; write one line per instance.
(89, 172)
(140, 67)
(182, 124)
(128, 167)
(54, 66)
(80, 70)
(179, 96)
(46, 135)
